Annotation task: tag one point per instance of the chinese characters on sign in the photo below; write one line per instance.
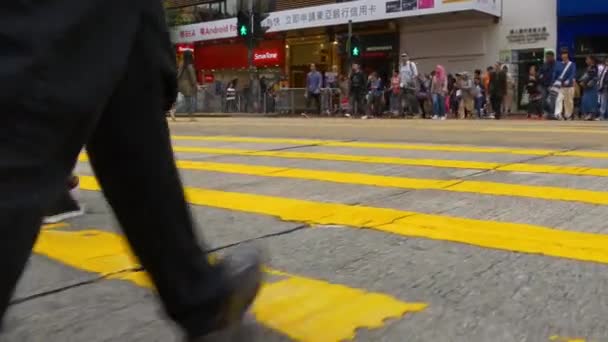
(314, 17)
(528, 35)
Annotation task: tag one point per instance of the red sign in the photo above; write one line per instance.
(270, 53)
(265, 56)
(209, 78)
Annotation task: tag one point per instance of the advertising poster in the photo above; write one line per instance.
(425, 4)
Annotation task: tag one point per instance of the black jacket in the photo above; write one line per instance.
(69, 55)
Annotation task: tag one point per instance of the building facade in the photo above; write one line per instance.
(583, 28)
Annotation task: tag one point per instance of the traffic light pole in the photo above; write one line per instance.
(348, 41)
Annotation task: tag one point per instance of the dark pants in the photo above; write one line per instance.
(130, 151)
(409, 101)
(496, 101)
(317, 99)
(357, 102)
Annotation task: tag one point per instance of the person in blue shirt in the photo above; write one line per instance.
(546, 79)
(564, 76)
(314, 82)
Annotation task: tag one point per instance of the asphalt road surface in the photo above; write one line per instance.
(378, 230)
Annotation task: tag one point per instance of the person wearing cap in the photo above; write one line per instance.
(408, 72)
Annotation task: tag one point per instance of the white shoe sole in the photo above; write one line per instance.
(63, 217)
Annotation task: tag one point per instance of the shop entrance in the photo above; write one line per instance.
(523, 60)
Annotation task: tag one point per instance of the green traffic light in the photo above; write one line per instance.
(355, 51)
(243, 30)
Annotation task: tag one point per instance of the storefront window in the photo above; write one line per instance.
(590, 45)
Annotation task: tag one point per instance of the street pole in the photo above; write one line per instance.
(350, 35)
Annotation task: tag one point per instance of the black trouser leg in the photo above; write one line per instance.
(38, 149)
(496, 105)
(130, 151)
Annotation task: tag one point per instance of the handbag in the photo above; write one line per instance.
(525, 98)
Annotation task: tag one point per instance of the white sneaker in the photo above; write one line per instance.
(347, 115)
(443, 118)
(435, 117)
(364, 117)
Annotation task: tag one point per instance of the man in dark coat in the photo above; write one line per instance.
(70, 74)
(498, 89)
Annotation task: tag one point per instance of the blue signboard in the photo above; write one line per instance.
(573, 8)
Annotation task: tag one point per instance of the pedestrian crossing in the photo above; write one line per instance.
(313, 309)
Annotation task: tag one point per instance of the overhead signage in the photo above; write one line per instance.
(336, 14)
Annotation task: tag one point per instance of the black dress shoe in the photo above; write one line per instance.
(243, 277)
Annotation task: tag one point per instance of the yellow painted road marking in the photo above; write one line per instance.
(486, 188)
(516, 237)
(477, 187)
(557, 338)
(597, 129)
(456, 164)
(398, 146)
(305, 309)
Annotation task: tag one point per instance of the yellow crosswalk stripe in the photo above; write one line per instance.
(456, 164)
(457, 185)
(304, 309)
(516, 237)
(468, 127)
(397, 146)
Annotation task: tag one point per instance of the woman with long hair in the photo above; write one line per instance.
(439, 90)
(589, 85)
(187, 84)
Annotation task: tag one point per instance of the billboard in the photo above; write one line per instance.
(337, 14)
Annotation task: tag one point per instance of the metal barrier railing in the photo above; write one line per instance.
(281, 101)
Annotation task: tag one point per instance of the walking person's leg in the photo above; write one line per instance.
(131, 154)
(147, 197)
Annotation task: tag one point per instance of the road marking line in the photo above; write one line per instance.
(422, 126)
(397, 146)
(477, 187)
(456, 185)
(515, 237)
(305, 309)
(454, 164)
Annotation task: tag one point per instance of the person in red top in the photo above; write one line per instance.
(395, 102)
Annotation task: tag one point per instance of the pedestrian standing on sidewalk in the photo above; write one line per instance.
(54, 107)
(409, 85)
(479, 94)
(589, 86)
(510, 93)
(603, 89)
(564, 74)
(466, 105)
(358, 89)
(535, 94)
(439, 90)
(187, 83)
(546, 80)
(395, 98)
(314, 82)
(376, 93)
(498, 90)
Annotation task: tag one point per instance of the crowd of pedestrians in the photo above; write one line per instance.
(552, 91)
